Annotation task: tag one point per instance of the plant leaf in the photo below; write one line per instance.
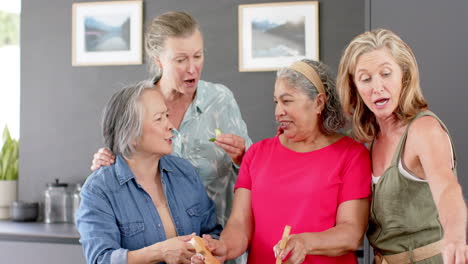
(6, 134)
(12, 173)
(16, 171)
(9, 155)
(6, 152)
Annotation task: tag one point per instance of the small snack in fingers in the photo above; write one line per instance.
(200, 247)
(217, 133)
(284, 240)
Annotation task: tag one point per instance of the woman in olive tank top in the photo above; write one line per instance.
(417, 214)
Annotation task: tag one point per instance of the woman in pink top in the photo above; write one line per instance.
(309, 177)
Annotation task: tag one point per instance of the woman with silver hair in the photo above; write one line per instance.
(308, 177)
(148, 204)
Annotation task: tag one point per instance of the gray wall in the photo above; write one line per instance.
(437, 32)
(61, 105)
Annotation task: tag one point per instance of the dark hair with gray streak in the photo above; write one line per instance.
(333, 118)
(169, 24)
(122, 118)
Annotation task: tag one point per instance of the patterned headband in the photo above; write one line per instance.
(310, 73)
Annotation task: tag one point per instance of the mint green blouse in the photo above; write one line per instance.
(213, 107)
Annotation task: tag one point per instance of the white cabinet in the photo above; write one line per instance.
(40, 253)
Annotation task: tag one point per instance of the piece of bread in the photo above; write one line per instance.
(200, 246)
(284, 240)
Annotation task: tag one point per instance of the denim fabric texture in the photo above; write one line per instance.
(117, 215)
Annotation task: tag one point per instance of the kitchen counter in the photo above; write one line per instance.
(38, 232)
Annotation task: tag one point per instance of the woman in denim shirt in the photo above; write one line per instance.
(148, 204)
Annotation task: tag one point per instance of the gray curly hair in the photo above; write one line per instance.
(333, 118)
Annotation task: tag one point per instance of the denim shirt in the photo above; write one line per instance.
(214, 106)
(117, 215)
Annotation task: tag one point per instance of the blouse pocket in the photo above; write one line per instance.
(194, 210)
(131, 229)
(195, 213)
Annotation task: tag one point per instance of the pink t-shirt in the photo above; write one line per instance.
(302, 190)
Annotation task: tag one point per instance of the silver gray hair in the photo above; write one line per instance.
(333, 118)
(170, 24)
(122, 118)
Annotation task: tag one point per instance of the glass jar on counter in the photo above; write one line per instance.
(57, 205)
(76, 200)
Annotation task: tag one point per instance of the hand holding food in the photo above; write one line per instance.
(284, 240)
(217, 133)
(200, 246)
(233, 145)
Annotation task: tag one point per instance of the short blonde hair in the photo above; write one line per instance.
(411, 99)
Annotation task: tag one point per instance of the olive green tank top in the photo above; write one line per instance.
(403, 214)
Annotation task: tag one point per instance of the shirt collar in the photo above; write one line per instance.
(200, 101)
(124, 174)
(122, 171)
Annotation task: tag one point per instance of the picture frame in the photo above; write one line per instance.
(274, 35)
(107, 33)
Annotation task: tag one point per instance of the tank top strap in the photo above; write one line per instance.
(401, 144)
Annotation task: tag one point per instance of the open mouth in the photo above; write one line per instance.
(190, 81)
(284, 124)
(381, 102)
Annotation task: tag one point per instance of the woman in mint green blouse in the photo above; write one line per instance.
(174, 46)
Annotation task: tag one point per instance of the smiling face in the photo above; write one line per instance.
(295, 112)
(378, 79)
(156, 136)
(182, 62)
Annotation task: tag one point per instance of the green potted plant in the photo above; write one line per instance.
(8, 172)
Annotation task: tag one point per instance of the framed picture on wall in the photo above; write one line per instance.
(107, 33)
(273, 35)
